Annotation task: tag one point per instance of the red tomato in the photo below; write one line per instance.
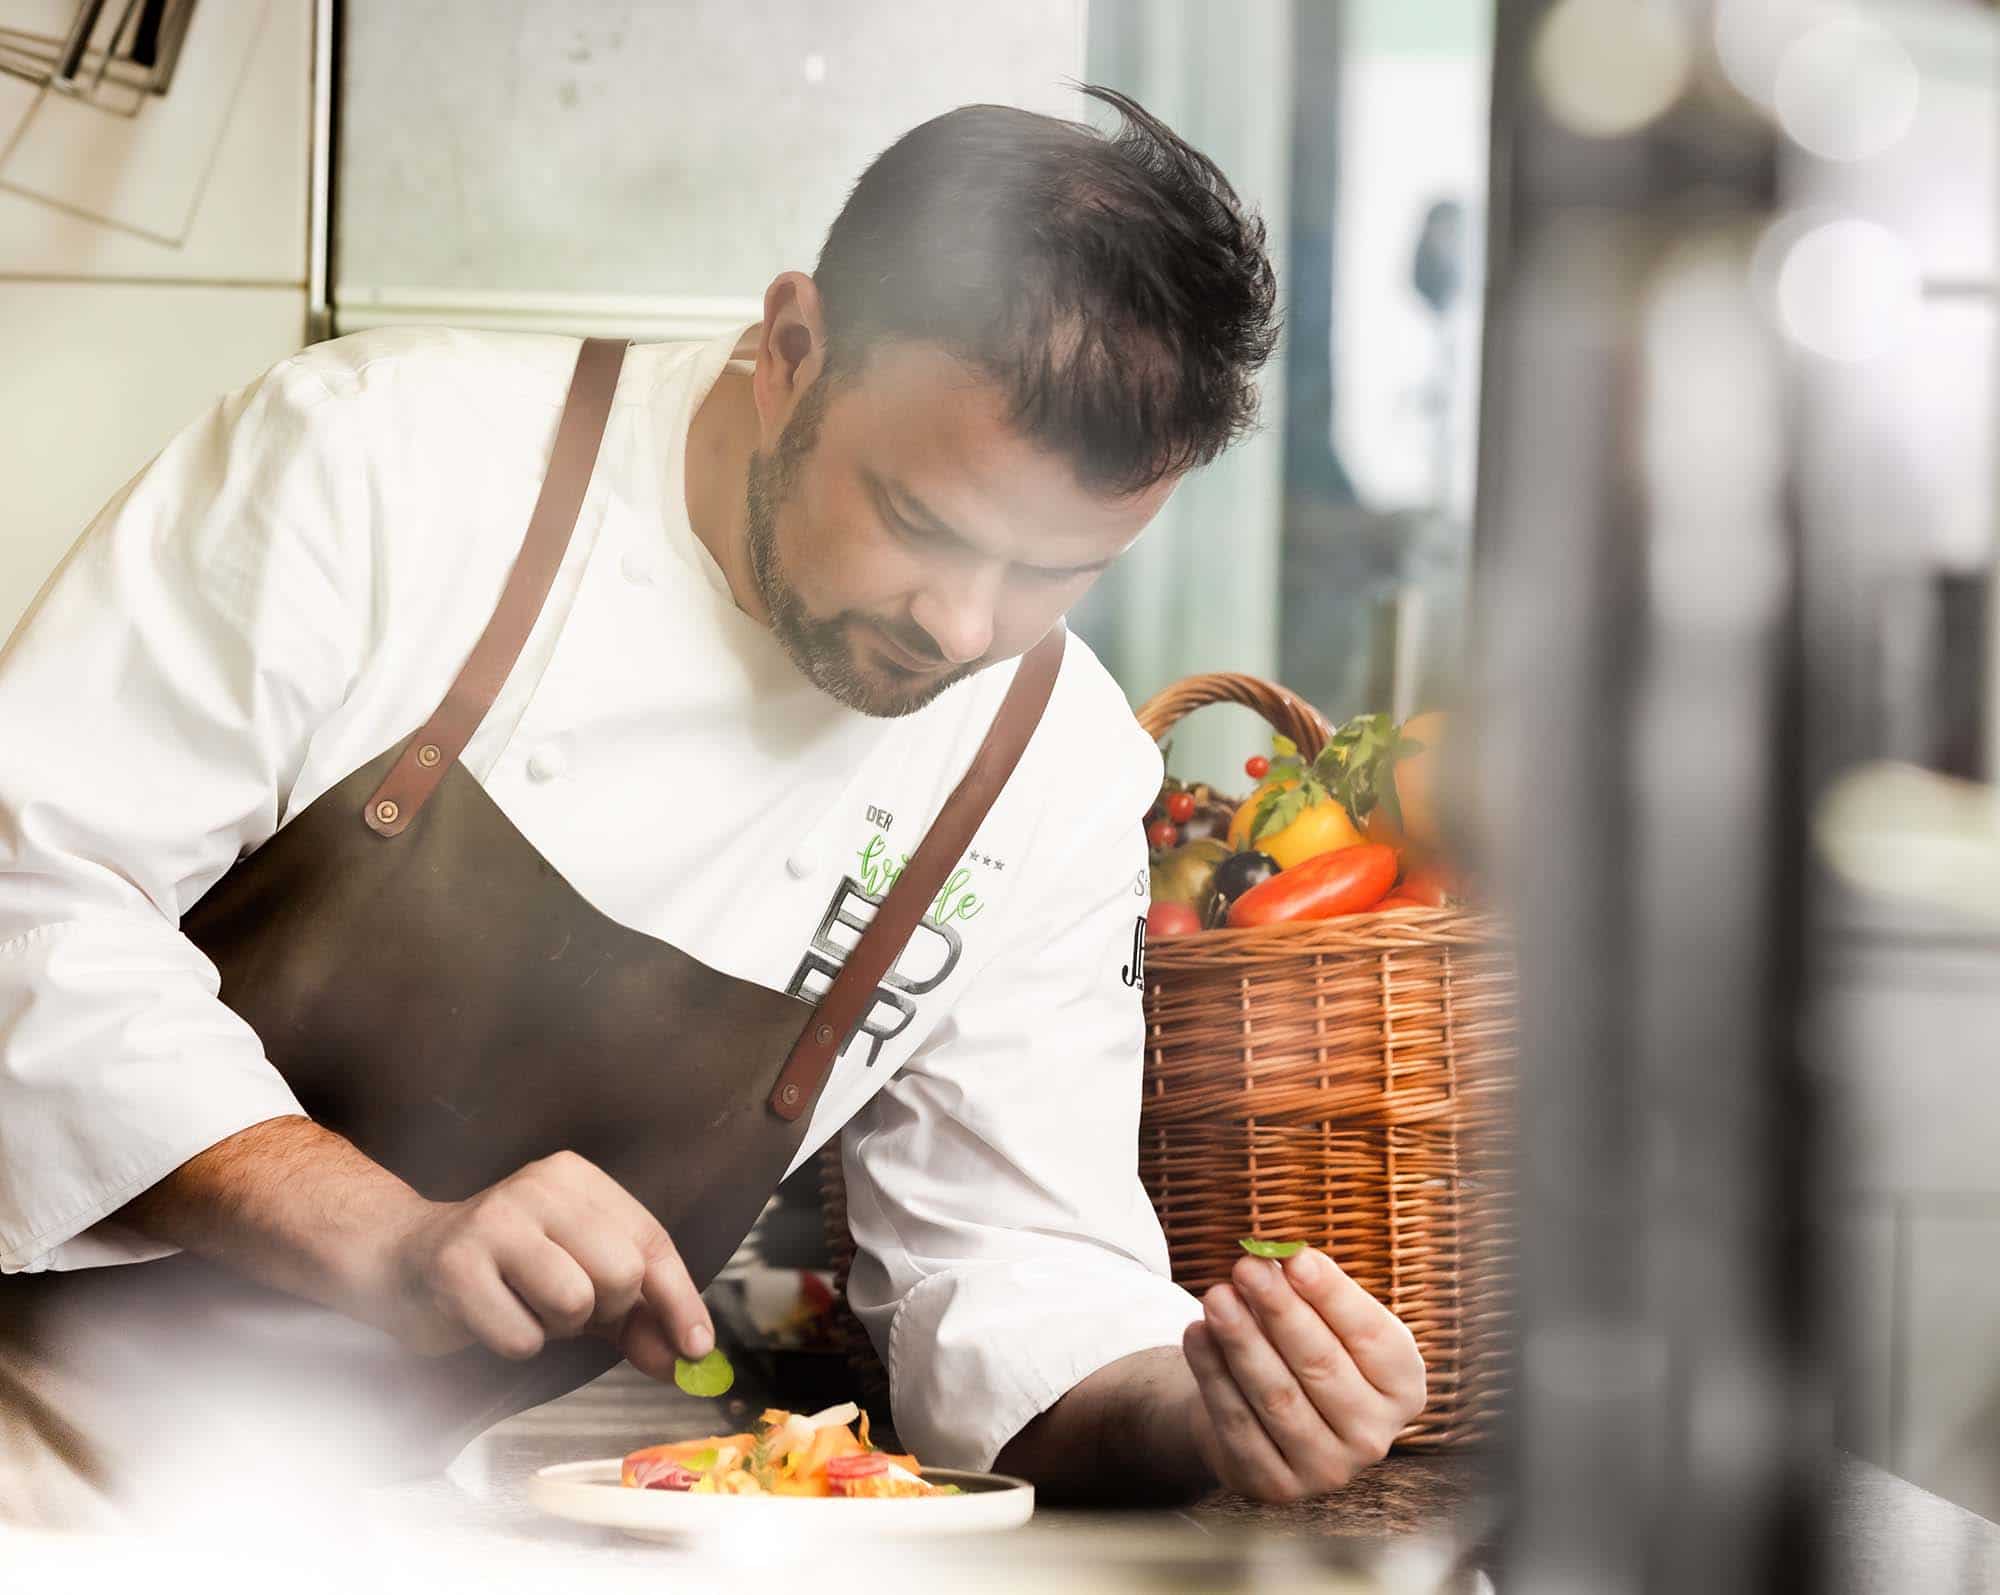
(1429, 885)
(1256, 766)
(1180, 807)
(1171, 919)
(1345, 881)
(858, 1465)
(1163, 834)
(1397, 900)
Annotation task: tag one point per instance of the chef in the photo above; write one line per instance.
(476, 810)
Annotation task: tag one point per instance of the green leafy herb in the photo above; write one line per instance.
(760, 1461)
(1279, 808)
(712, 1376)
(1257, 1248)
(1357, 762)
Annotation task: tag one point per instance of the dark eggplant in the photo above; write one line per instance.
(1234, 876)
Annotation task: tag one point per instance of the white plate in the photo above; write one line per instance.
(589, 1492)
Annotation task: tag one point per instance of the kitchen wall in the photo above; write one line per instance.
(641, 170)
(147, 264)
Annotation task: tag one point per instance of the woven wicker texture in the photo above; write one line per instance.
(1347, 1083)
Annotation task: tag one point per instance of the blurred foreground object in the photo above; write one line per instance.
(1641, 783)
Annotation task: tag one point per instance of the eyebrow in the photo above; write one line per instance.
(904, 505)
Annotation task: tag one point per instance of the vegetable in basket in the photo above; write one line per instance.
(1345, 882)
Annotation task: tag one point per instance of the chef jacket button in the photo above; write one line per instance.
(801, 864)
(638, 569)
(545, 764)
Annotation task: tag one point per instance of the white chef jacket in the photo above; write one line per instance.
(289, 588)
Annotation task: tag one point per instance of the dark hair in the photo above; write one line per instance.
(1115, 287)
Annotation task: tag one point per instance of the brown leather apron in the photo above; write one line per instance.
(430, 987)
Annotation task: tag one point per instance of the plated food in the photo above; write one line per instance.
(820, 1475)
(786, 1455)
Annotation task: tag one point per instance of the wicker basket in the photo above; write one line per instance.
(1346, 1083)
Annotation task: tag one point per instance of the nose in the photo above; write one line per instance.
(959, 615)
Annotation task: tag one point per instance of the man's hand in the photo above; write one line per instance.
(555, 1250)
(1285, 1398)
(1305, 1378)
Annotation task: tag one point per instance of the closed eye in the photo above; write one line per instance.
(926, 532)
(1055, 575)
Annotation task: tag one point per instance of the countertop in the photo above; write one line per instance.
(1404, 1524)
(1416, 1522)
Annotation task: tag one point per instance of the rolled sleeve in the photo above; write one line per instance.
(1005, 1248)
(159, 698)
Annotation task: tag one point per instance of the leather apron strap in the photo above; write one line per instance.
(846, 1002)
(400, 797)
(410, 782)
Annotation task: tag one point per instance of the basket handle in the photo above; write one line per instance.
(1289, 714)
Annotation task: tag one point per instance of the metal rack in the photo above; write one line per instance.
(114, 62)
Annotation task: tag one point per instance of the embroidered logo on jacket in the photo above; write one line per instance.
(924, 963)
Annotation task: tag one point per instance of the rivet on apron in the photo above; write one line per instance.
(823, 1035)
(428, 755)
(386, 811)
(789, 1095)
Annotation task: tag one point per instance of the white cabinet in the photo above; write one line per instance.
(1910, 1037)
(98, 376)
(113, 339)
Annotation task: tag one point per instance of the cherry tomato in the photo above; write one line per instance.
(1171, 919)
(1256, 766)
(1345, 881)
(1163, 834)
(1180, 807)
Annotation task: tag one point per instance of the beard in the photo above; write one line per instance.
(824, 650)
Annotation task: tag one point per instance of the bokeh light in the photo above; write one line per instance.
(1608, 67)
(1849, 290)
(1846, 90)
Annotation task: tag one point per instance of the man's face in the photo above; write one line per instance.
(903, 535)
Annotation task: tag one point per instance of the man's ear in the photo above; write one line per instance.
(791, 349)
